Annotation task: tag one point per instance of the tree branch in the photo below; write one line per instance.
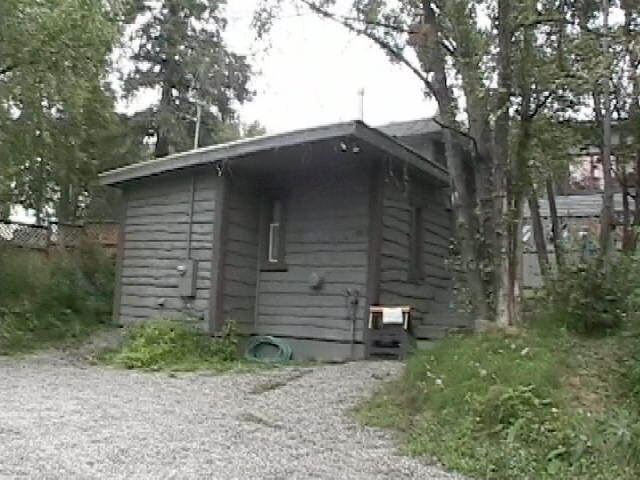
(540, 105)
(450, 49)
(460, 132)
(540, 20)
(381, 43)
(389, 26)
(7, 69)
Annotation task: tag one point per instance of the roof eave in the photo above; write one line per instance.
(240, 148)
(393, 147)
(216, 153)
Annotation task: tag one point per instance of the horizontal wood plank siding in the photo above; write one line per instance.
(433, 293)
(327, 221)
(156, 231)
(241, 256)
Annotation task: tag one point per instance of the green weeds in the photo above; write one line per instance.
(534, 405)
(46, 300)
(171, 344)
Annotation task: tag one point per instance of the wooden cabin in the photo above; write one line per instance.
(293, 235)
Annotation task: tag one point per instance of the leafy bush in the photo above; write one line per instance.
(587, 299)
(175, 345)
(52, 298)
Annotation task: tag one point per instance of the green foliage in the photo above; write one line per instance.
(180, 50)
(172, 344)
(587, 299)
(50, 299)
(517, 406)
(58, 127)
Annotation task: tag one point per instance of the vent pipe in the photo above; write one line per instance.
(361, 104)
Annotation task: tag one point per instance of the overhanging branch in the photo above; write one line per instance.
(460, 132)
(540, 105)
(7, 69)
(381, 43)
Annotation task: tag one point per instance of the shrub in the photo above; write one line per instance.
(587, 299)
(173, 344)
(53, 298)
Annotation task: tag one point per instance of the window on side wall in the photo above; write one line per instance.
(272, 234)
(416, 246)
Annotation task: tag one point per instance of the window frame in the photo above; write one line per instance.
(268, 261)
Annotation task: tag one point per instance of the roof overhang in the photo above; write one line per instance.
(244, 147)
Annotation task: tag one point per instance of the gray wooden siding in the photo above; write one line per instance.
(241, 254)
(156, 226)
(432, 294)
(327, 221)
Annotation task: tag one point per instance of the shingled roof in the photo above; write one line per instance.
(410, 128)
(587, 205)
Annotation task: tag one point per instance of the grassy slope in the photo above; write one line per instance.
(537, 404)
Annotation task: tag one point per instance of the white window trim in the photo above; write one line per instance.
(273, 227)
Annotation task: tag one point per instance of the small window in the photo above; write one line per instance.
(272, 234)
(416, 261)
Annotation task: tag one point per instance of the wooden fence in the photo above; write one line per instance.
(58, 235)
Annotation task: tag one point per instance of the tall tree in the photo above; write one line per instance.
(180, 53)
(54, 104)
(603, 113)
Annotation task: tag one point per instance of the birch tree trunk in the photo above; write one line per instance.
(431, 56)
(607, 215)
(505, 302)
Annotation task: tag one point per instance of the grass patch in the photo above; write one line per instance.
(51, 300)
(25, 332)
(538, 404)
(172, 345)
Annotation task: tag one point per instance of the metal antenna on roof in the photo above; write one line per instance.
(361, 104)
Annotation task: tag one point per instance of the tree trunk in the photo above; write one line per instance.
(162, 134)
(164, 145)
(538, 234)
(66, 208)
(480, 131)
(607, 215)
(555, 225)
(636, 217)
(430, 53)
(634, 109)
(505, 313)
(628, 244)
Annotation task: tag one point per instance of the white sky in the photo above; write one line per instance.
(312, 72)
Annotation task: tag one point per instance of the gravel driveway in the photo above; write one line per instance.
(60, 419)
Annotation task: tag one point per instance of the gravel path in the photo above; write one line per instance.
(60, 419)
